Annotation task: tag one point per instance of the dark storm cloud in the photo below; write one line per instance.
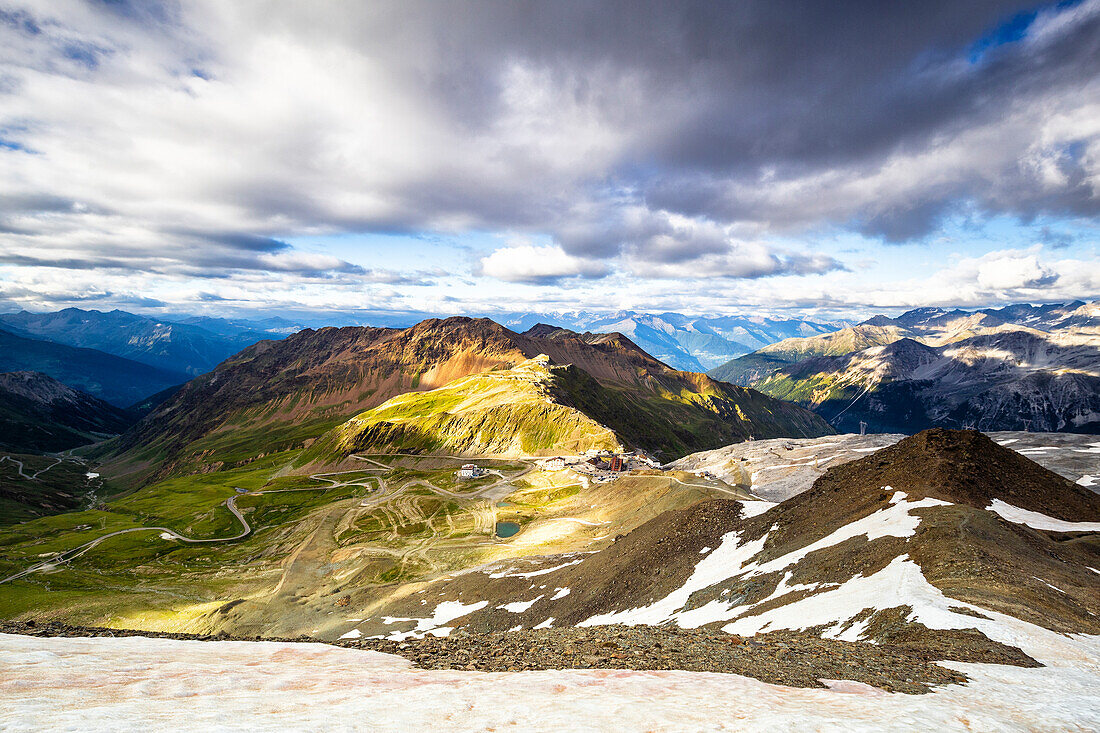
(906, 222)
(237, 241)
(796, 88)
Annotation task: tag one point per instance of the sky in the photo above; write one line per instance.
(828, 159)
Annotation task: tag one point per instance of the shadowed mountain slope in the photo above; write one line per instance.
(122, 382)
(163, 344)
(40, 414)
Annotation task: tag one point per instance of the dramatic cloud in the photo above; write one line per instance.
(675, 141)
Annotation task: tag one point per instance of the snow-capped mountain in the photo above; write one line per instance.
(689, 343)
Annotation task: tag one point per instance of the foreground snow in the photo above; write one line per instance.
(161, 684)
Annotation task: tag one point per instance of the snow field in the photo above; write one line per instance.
(139, 684)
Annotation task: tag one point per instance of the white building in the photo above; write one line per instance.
(469, 470)
(555, 464)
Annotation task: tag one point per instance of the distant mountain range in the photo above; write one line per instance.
(193, 347)
(114, 379)
(687, 343)
(1006, 368)
(1018, 367)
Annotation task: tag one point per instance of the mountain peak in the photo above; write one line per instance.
(546, 330)
(964, 467)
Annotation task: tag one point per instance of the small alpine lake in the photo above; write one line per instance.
(507, 529)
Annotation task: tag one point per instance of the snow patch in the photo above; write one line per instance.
(1035, 520)
(735, 560)
(142, 684)
(520, 606)
(559, 593)
(353, 634)
(1048, 584)
(444, 612)
(750, 509)
(507, 573)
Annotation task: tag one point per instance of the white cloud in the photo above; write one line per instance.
(1003, 276)
(527, 263)
(1007, 271)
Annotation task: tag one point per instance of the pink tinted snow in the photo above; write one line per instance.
(144, 684)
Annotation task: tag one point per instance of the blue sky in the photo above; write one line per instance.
(486, 157)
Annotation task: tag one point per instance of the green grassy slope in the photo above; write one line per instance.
(511, 411)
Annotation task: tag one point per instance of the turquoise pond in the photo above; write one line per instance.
(507, 529)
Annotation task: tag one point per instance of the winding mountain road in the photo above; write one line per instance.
(230, 504)
(33, 477)
(64, 557)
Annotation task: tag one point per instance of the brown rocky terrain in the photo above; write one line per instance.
(279, 395)
(807, 546)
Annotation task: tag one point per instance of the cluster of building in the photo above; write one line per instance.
(601, 464)
(470, 470)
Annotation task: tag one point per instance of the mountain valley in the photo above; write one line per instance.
(449, 493)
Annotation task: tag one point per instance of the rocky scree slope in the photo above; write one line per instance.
(780, 468)
(907, 545)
